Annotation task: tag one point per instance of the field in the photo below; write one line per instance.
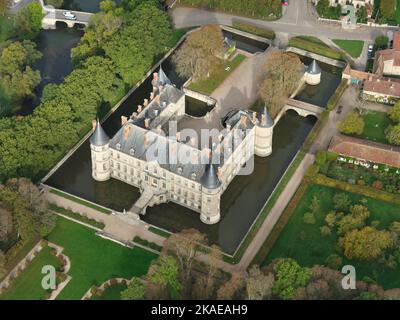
(304, 242)
(27, 286)
(352, 47)
(315, 45)
(207, 86)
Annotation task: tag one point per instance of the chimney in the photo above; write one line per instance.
(123, 120)
(193, 141)
(155, 76)
(151, 95)
(127, 129)
(178, 136)
(139, 108)
(243, 119)
(158, 129)
(147, 123)
(146, 102)
(94, 124)
(263, 120)
(254, 117)
(134, 115)
(228, 127)
(157, 99)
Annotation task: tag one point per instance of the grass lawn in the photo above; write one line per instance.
(208, 85)
(375, 123)
(352, 47)
(304, 242)
(315, 45)
(111, 293)
(27, 286)
(95, 260)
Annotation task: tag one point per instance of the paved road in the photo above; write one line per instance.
(297, 20)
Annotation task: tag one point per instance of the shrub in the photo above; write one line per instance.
(320, 158)
(262, 32)
(377, 185)
(309, 218)
(325, 231)
(333, 261)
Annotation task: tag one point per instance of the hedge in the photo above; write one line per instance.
(246, 27)
(160, 232)
(334, 100)
(301, 43)
(148, 244)
(77, 216)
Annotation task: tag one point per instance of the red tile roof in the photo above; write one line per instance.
(365, 150)
(384, 86)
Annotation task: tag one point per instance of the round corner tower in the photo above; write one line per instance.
(211, 196)
(313, 74)
(263, 135)
(100, 151)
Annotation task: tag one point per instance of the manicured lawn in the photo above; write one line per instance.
(27, 286)
(111, 293)
(304, 242)
(375, 124)
(208, 85)
(352, 47)
(315, 45)
(95, 260)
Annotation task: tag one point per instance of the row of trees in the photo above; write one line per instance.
(178, 274)
(254, 8)
(31, 145)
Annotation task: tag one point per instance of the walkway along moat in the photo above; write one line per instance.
(241, 203)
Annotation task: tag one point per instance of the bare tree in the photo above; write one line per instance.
(258, 285)
(198, 56)
(230, 289)
(281, 76)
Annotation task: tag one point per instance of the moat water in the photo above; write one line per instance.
(56, 63)
(240, 203)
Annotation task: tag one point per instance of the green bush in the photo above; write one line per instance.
(334, 100)
(266, 33)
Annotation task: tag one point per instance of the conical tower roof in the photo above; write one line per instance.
(314, 68)
(210, 179)
(99, 137)
(269, 122)
(162, 78)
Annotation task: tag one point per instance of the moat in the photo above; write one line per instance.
(241, 202)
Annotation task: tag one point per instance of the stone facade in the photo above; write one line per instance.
(146, 153)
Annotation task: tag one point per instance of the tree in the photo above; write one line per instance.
(388, 9)
(165, 275)
(362, 15)
(17, 78)
(198, 56)
(309, 218)
(55, 3)
(230, 289)
(356, 219)
(215, 257)
(136, 290)
(330, 218)
(394, 112)
(381, 42)
(365, 244)
(333, 261)
(4, 4)
(28, 21)
(2, 264)
(281, 76)
(185, 247)
(258, 285)
(289, 276)
(352, 124)
(393, 134)
(325, 231)
(341, 201)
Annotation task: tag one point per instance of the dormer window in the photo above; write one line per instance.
(194, 176)
(132, 152)
(118, 146)
(180, 170)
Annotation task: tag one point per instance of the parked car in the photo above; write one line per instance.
(370, 50)
(69, 15)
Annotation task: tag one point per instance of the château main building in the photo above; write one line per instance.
(147, 154)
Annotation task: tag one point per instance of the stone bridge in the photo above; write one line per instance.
(52, 16)
(303, 109)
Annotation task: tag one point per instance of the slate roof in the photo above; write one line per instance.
(99, 137)
(314, 68)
